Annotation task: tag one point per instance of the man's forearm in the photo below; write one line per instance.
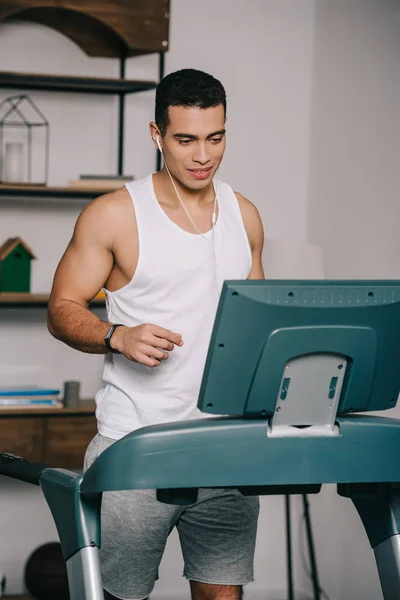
(77, 326)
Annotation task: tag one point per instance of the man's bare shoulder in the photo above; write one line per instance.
(112, 205)
(247, 207)
(104, 216)
(252, 221)
(111, 209)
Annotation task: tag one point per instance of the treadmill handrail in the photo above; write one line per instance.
(233, 452)
(20, 468)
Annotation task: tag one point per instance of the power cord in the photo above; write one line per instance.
(303, 559)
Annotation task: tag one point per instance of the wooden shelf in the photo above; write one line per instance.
(67, 83)
(88, 408)
(17, 299)
(106, 28)
(44, 191)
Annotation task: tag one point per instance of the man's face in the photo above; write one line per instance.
(194, 144)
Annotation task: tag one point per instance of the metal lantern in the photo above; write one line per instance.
(24, 142)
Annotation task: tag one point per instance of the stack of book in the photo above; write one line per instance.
(29, 397)
(99, 182)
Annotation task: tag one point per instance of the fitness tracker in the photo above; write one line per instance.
(108, 338)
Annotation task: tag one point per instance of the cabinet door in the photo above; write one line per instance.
(66, 440)
(23, 436)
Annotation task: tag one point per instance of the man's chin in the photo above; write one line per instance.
(198, 183)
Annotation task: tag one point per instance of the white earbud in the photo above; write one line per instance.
(158, 143)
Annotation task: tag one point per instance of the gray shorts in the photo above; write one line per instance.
(217, 536)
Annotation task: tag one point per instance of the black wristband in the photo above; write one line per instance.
(108, 338)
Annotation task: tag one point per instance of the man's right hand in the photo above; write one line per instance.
(146, 344)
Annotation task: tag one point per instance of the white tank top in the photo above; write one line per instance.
(173, 287)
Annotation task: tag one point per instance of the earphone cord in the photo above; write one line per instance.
(213, 218)
(213, 221)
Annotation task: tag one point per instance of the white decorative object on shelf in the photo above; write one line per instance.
(14, 159)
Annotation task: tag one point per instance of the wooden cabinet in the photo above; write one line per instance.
(67, 438)
(53, 437)
(22, 436)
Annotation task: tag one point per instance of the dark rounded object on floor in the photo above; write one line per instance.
(46, 574)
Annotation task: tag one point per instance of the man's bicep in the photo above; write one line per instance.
(85, 265)
(255, 233)
(81, 273)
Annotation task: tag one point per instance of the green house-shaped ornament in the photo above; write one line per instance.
(15, 266)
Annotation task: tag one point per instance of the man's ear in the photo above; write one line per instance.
(154, 132)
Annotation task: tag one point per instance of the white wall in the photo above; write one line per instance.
(355, 143)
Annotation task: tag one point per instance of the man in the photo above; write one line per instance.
(161, 247)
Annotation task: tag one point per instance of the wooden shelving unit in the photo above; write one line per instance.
(110, 28)
(16, 299)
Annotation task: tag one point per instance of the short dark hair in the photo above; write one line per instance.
(187, 87)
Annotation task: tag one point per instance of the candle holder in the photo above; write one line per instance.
(24, 142)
